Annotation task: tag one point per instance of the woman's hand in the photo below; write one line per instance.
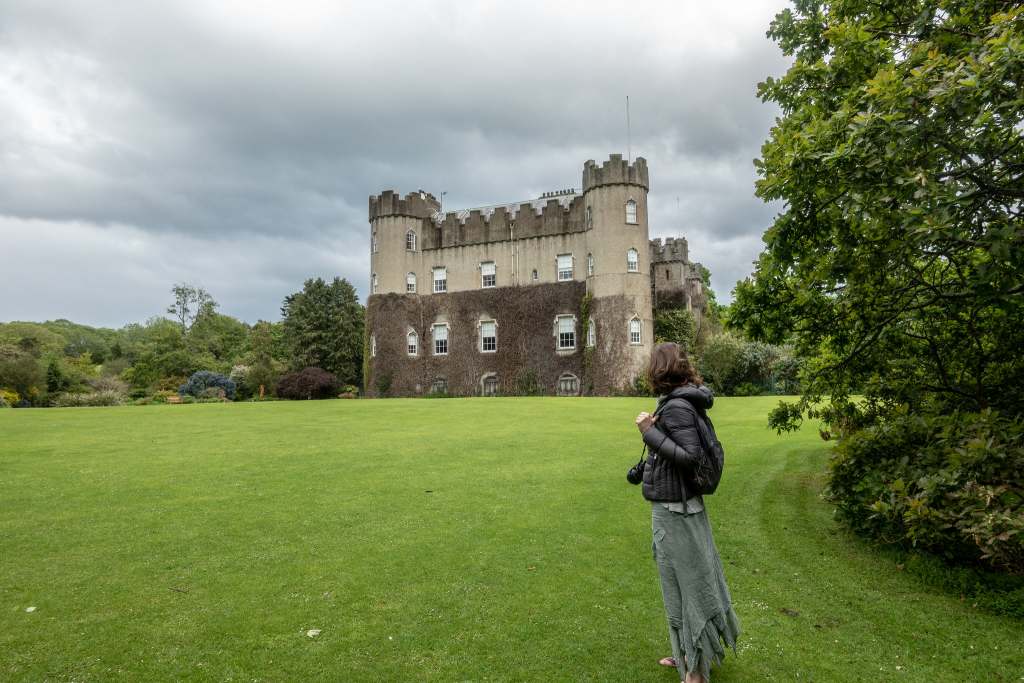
(644, 421)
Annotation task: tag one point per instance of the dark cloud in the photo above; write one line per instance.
(218, 134)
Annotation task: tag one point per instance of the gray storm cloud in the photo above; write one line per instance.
(234, 145)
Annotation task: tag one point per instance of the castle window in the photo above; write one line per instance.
(488, 278)
(410, 240)
(591, 334)
(441, 340)
(439, 386)
(566, 328)
(488, 336)
(568, 385)
(634, 331)
(440, 280)
(489, 385)
(373, 283)
(590, 217)
(564, 267)
(373, 242)
(534, 274)
(373, 346)
(410, 283)
(668, 274)
(590, 264)
(412, 343)
(631, 212)
(632, 261)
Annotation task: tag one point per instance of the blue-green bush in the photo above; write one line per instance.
(200, 381)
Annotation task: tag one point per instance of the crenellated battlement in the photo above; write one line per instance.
(417, 204)
(615, 171)
(549, 214)
(673, 249)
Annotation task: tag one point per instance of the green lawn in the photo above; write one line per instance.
(449, 540)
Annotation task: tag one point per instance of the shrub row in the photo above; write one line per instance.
(952, 485)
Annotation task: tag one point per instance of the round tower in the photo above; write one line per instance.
(615, 206)
(397, 227)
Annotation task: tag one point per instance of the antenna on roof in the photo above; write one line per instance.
(629, 146)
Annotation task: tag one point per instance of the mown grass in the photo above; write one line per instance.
(464, 539)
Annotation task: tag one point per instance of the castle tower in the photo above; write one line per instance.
(615, 201)
(397, 236)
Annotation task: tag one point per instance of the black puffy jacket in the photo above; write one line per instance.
(673, 445)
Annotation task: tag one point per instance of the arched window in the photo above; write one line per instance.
(410, 240)
(590, 218)
(373, 242)
(568, 385)
(631, 212)
(632, 261)
(410, 283)
(412, 343)
(534, 275)
(373, 283)
(373, 346)
(590, 264)
(591, 334)
(634, 331)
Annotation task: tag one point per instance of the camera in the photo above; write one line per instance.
(636, 473)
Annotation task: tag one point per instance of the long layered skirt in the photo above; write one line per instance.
(697, 602)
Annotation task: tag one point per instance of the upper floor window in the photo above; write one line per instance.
(534, 274)
(373, 242)
(591, 334)
(440, 280)
(632, 261)
(373, 283)
(566, 328)
(631, 212)
(590, 264)
(488, 336)
(564, 267)
(488, 278)
(410, 240)
(373, 346)
(590, 217)
(410, 283)
(412, 343)
(634, 331)
(441, 340)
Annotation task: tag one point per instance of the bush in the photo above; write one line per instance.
(203, 380)
(107, 383)
(952, 485)
(91, 400)
(215, 393)
(8, 398)
(308, 383)
(349, 391)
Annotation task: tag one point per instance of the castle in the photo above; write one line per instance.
(549, 296)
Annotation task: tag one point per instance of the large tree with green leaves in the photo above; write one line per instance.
(896, 265)
(323, 327)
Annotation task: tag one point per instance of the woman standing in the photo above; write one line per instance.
(697, 603)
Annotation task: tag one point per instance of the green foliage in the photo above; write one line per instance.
(323, 327)
(21, 372)
(719, 364)
(8, 398)
(896, 265)
(952, 485)
(527, 383)
(675, 325)
(190, 304)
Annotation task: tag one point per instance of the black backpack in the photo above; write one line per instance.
(708, 472)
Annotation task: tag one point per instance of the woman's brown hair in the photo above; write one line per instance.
(670, 368)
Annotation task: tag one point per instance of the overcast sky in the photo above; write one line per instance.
(234, 144)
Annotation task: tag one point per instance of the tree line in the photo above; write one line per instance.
(194, 352)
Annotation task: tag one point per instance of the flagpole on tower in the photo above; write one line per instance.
(629, 140)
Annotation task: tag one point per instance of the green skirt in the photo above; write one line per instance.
(697, 602)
